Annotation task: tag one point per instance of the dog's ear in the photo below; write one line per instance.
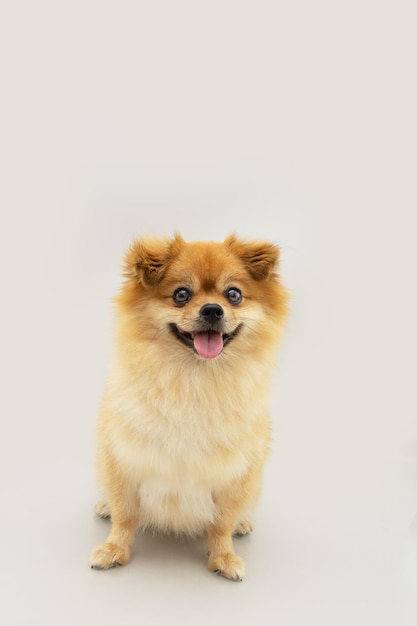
(147, 259)
(260, 257)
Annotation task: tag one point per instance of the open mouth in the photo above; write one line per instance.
(208, 344)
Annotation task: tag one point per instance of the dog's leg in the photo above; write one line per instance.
(124, 506)
(231, 503)
(222, 557)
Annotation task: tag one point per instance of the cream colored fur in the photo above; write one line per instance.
(182, 440)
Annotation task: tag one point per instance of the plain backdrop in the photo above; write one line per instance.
(291, 121)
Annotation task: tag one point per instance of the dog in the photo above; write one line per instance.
(183, 431)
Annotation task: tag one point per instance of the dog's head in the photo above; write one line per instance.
(203, 297)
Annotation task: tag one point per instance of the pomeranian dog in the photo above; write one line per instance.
(184, 430)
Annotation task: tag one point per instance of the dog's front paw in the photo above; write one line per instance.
(227, 564)
(109, 555)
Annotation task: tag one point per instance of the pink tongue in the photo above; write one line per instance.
(209, 344)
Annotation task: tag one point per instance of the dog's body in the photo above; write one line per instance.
(184, 430)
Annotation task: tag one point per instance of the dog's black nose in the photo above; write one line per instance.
(211, 313)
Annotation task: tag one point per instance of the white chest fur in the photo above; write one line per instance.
(184, 436)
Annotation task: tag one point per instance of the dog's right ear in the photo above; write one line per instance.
(147, 259)
(260, 257)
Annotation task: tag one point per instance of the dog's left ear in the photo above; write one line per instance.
(260, 257)
(147, 259)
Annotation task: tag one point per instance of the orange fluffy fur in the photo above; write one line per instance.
(182, 439)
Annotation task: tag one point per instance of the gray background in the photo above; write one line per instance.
(293, 121)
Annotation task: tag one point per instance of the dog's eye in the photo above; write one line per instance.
(234, 295)
(181, 296)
